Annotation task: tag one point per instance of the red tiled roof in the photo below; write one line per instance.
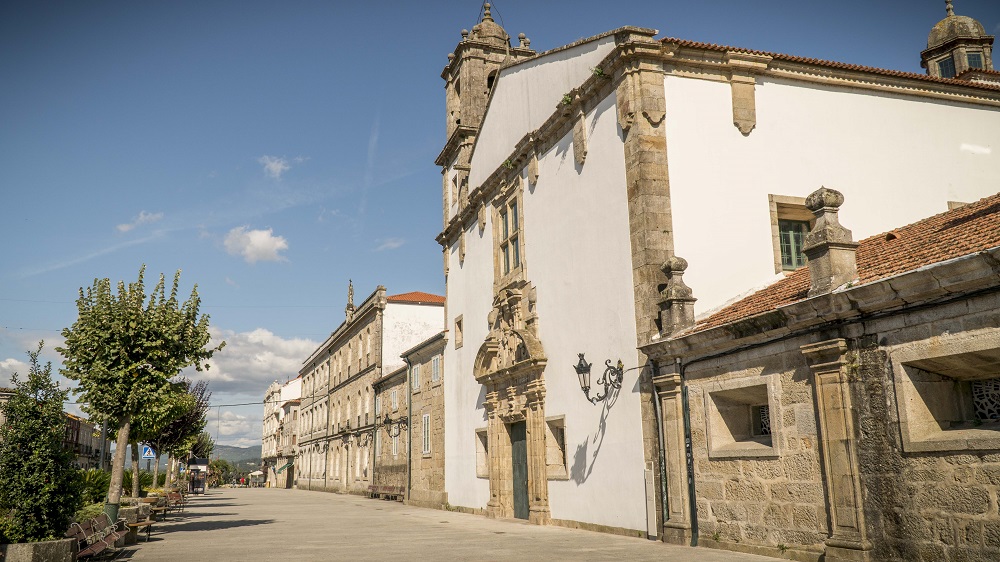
(828, 64)
(952, 234)
(416, 297)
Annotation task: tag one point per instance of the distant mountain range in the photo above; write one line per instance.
(243, 457)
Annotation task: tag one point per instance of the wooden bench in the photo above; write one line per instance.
(97, 535)
(139, 525)
(386, 492)
(154, 511)
(175, 501)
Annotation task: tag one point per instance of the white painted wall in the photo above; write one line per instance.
(525, 96)
(470, 295)
(896, 159)
(578, 255)
(404, 326)
(291, 390)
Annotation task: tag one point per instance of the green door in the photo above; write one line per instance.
(519, 458)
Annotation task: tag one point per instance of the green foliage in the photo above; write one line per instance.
(145, 480)
(221, 472)
(599, 72)
(161, 480)
(181, 433)
(95, 485)
(125, 354)
(567, 99)
(39, 488)
(89, 512)
(203, 446)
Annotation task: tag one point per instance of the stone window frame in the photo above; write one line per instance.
(785, 207)
(923, 412)
(415, 378)
(425, 430)
(458, 331)
(953, 70)
(738, 397)
(511, 196)
(482, 453)
(555, 443)
(394, 398)
(436, 369)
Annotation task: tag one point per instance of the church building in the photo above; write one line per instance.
(590, 192)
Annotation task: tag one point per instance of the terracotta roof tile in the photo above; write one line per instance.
(828, 64)
(416, 297)
(952, 234)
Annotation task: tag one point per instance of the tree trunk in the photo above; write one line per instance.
(118, 470)
(135, 470)
(156, 470)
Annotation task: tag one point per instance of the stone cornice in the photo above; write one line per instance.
(456, 139)
(923, 286)
(715, 62)
(375, 301)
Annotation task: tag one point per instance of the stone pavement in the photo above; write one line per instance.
(291, 525)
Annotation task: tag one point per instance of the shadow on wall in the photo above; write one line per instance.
(581, 470)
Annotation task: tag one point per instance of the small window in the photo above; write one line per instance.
(395, 400)
(378, 405)
(739, 416)
(555, 448)
(792, 236)
(395, 445)
(436, 368)
(458, 332)
(426, 423)
(761, 420)
(946, 67)
(415, 377)
(975, 60)
(482, 453)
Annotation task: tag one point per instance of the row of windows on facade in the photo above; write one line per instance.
(317, 415)
(338, 367)
(361, 453)
(946, 66)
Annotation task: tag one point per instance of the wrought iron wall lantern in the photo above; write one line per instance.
(611, 379)
(364, 436)
(394, 426)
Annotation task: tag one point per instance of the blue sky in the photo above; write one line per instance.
(274, 150)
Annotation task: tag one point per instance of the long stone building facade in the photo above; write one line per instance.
(337, 415)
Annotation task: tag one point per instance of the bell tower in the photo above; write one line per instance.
(957, 44)
(472, 70)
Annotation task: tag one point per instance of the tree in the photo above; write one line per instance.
(203, 447)
(125, 355)
(40, 489)
(178, 436)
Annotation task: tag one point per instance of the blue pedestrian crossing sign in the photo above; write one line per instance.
(147, 452)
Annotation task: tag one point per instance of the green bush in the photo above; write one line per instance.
(161, 480)
(39, 488)
(145, 481)
(89, 512)
(95, 485)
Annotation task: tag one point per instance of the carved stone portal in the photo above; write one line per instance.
(511, 364)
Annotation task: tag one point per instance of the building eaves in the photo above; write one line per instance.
(871, 70)
(959, 232)
(426, 343)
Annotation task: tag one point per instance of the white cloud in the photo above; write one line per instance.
(10, 366)
(390, 244)
(142, 218)
(255, 245)
(274, 166)
(975, 149)
(232, 283)
(252, 360)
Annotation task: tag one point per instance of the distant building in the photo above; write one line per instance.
(392, 436)
(337, 420)
(280, 431)
(80, 437)
(426, 431)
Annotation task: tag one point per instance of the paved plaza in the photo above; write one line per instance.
(264, 524)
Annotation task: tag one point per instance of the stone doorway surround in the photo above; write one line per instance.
(511, 365)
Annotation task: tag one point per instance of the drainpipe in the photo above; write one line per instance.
(688, 452)
(409, 428)
(662, 453)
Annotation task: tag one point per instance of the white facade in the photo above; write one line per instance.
(871, 142)
(406, 325)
